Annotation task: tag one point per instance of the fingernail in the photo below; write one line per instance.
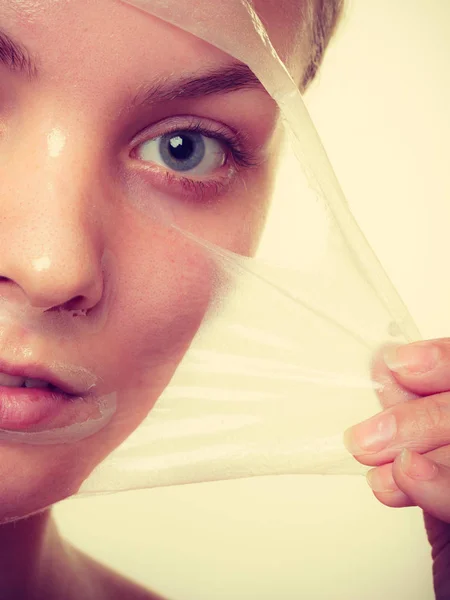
(372, 435)
(413, 358)
(381, 480)
(417, 466)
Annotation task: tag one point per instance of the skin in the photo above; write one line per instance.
(69, 132)
(412, 467)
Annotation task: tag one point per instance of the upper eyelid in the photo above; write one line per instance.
(188, 123)
(217, 137)
(205, 133)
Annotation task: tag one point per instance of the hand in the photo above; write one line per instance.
(408, 443)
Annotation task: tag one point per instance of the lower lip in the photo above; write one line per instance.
(21, 408)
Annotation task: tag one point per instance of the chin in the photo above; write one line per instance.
(33, 478)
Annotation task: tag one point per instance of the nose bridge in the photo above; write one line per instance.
(50, 246)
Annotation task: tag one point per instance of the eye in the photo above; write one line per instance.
(185, 152)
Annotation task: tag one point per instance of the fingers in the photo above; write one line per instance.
(423, 367)
(385, 488)
(390, 392)
(408, 442)
(422, 425)
(414, 479)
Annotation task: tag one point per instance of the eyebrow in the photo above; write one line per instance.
(15, 56)
(232, 78)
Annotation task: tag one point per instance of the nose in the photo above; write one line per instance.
(50, 245)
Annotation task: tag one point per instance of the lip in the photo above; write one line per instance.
(21, 408)
(34, 371)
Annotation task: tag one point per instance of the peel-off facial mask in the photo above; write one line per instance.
(281, 364)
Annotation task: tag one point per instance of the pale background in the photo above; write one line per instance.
(381, 106)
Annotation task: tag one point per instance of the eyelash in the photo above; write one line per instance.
(233, 143)
(235, 148)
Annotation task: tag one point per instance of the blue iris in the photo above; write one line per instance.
(182, 151)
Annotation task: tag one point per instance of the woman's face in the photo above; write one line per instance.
(113, 124)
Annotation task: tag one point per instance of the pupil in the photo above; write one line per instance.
(181, 147)
(182, 151)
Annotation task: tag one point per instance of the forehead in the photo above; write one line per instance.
(106, 32)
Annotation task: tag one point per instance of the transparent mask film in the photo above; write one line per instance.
(281, 304)
(282, 362)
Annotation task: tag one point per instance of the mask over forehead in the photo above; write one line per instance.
(281, 364)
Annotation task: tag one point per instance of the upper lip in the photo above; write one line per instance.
(71, 384)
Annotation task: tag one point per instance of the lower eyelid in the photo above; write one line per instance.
(227, 168)
(178, 185)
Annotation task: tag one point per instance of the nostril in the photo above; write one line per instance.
(76, 303)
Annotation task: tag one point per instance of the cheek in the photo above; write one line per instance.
(166, 282)
(165, 287)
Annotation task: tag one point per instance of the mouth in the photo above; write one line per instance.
(40, 377)
(33, 395)
(15, 381)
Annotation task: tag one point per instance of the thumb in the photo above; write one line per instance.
(423, 367)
